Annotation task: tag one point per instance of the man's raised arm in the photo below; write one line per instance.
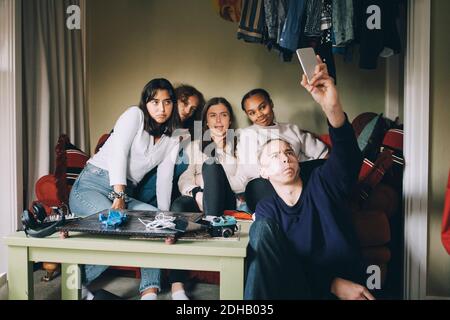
(341, 170)
(324, 92)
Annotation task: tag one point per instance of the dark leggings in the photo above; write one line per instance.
(260, 188)
(217, 193)
(217, 197)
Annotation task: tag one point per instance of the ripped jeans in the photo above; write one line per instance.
(89, 195)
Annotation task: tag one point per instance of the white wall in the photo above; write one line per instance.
(438, 271)
(3, 287)
(130, 42)
(10, 130)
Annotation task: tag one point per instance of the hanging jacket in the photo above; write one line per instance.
(275, 13)
(292, 29)
(343, 22)
(253, 21)
(271, 12)
(326, 15)
(318, 32)
(313, 18)
(374, 41)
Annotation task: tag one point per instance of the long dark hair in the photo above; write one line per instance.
(208, 105)
(148, 93)
(183, 93)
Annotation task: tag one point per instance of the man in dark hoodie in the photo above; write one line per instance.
(302, 245)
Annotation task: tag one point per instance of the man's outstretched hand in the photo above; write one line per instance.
(324, 92)
(348, 290)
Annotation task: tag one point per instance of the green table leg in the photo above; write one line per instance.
(232, 279)
(20, 274)
(70, 282)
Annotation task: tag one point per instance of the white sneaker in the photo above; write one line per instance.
(149, 296)
(179, 295)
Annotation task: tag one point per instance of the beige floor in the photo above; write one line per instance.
(124, 286)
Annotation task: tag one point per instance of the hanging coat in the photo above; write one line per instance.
(292, 29)
(275, 12)
(343, 22)
(373, 38)
(253, 21)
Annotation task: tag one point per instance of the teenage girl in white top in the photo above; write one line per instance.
(142, 139)
(211, 182)
(258, 106)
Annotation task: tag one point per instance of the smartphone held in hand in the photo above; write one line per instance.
(308, 60)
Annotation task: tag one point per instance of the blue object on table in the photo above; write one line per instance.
(223, 226)
(113, 219)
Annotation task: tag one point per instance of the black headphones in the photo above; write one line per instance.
(34, 224)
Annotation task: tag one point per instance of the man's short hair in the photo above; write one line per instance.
(267, 143)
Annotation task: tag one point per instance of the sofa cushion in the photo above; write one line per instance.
(383, 198)
(101, 141)
(376, 255)
(211, 277)
(372, 228)
(325, 138)
(47, 193)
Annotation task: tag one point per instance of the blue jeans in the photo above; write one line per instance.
(88, 196)
(146, 190)
(274, 270)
